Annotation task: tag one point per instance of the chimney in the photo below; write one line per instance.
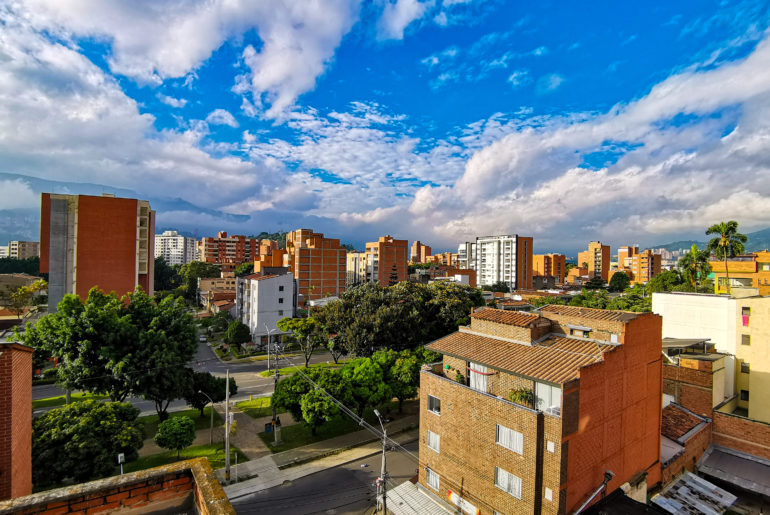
(15, 420)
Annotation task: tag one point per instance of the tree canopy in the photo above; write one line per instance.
(244, 269)
(499, 286)
(237, 333)
(727, 243)
(166, 277)
(175, 434)
(191, 272)
(214, 387)
(694, 266)
(82, 440)
(619, 282)
(307, 334)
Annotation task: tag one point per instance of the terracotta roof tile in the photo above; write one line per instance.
(502, 316)
(676, 421)
(556, 360)
(591, 313)
(259, 277)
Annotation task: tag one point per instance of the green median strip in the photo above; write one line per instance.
(293, 370)
(201, 422)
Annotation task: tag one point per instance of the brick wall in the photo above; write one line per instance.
(469, 454)
(741, 434)
(693, 450)
(600, 329)
(692, 388)
(15, 420)
(512, 332)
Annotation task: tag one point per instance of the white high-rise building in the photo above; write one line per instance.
(504, 258)
(175, 249)
(262, 300)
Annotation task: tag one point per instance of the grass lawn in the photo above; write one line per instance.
(293, 370)
(151, 421)
(60, 401)
(298, 435)
(215, 453)
(257, 408)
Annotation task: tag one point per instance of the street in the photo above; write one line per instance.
(246, 377)
(347, 489)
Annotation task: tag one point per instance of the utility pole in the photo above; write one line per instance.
(276, 423)
(382, 499)
(227, 428)
(268, 350)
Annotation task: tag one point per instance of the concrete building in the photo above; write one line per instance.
(445, 258)
(527, 412)
(23, 249)
(212, 290)
(88, 241)
(175, 249)
(228, 251)
(504, 258)
(546, 265)
(419, 252)
(751, 270)
(262, 300)
(355, 268)
(386, 261)
(318, 264)
(639, 266)
(596, 259)
(16, 420)
(4, 252)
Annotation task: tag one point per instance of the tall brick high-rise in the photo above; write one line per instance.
(528, 412)
(318, 264)
(15, 420)
(386, 260)
(88, 241)
(596, 259)
(229, 251)
(550, 265)
(419, 252)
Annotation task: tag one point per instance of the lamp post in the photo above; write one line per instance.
(381, 486)
(211, 430)
(268, 349)
(276, 421)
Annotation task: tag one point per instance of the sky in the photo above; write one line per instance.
(437, 120)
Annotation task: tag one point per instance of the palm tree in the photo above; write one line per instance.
(728, 243)
(695, 266)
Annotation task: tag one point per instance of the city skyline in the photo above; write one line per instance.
(438, 121)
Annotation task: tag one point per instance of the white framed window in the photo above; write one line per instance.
(548, 398)
(507, 482)
(510, 439)
(434, 405)
(478, 377)
(434, 441)
(548, 494)
(550, 446)
(432, 479)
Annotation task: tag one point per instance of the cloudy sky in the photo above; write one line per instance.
(438, 120)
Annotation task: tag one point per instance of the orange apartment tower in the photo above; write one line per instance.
(88, 241)
(419, 253)
(16, 420)
(597, 257)
(550, 265)
(386, 260)
(527, 412)
(229, 251)
(317, 263)
(643, 265)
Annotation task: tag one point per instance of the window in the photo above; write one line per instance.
(746, 311)
(280, 288)
(548, 494)
(478, 377)
(745, 339)
(548, 398)
(434, 441)
(434, 405)
(280, 312)
(744, 395)
(550, 446)
(507, 482)
(432, 479)
(745, 367)
(510, 439)
(280, 300)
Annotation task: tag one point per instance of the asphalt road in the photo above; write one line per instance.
(345, 490)
(246, 377)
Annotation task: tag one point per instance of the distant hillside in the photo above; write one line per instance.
(759, 240)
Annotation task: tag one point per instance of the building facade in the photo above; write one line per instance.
(419, 252)
(386, 261)
(355, 268)
(318, 264)
(596, 259)
(504, 258)
(528, 411)
(262, 300)
(640, 266)
(88, 241)
(23, 249)
(546, 265)
(175, 249)
(228, 251)
(751, 270)
(16, 421)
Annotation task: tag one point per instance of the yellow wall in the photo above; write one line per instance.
(757, 355)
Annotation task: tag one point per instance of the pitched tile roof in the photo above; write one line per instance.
(259, 277)
(555, 360)
(678, 421)
(595, 314)
(502, 316)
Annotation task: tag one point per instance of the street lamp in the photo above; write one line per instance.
(211, 431)
(381, 498)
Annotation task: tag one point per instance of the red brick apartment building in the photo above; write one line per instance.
(419, 253)
(88, 241)
(550, 265)
(386, 260)
(229, 251)
(317, 263)
(585, 398)
(16, 420)
(596, 259)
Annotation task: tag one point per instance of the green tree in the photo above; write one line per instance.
(16, 299)
(244, 269)
(728, 243)
(214, 387)
(193, 271)
(31, 266)
(81, 441)
(166, 277)
(668, 280)
(316, 404)
(694, 266)
(402, 371)
(175, 434)
(499, 286)
(288, 393)
(237, 333)
(307, 333)
(619, 282)
(595, 283)
(366, 382)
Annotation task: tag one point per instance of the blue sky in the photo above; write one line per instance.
(438, 120)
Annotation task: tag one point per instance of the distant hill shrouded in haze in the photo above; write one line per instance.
(758, 240)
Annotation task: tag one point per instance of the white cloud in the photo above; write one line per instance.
(221, 117)
(17, 194)
(548, 83)
(399, 14)
(519, 78)
(173, 102)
